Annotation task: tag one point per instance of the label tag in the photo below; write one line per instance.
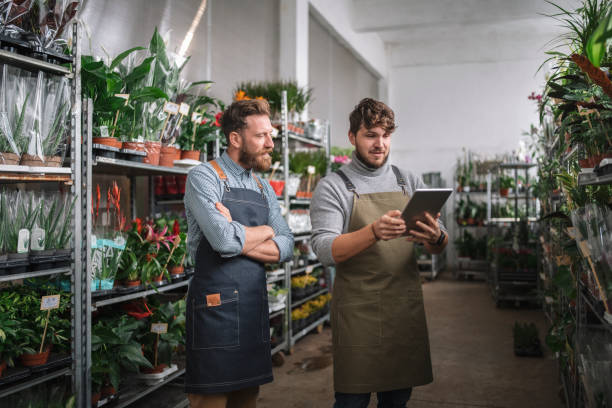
(50, 302)
(309, 269)
(171, 107)
(584, 249)
(311, 169)
(159, 328)
(270, 286)
(23, 242)
(276, 165)
(37, 239)
(124, 96)
(184, 109)
(213, 300)
(196, 117)
(103, 131)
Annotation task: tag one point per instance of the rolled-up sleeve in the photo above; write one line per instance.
(283, 238)
(327, 218)
(201, 194)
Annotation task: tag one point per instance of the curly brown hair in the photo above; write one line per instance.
(234, 116)
(372, 113)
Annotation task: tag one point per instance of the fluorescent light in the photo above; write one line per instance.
(192, 28)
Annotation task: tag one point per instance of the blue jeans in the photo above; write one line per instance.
(387, 399)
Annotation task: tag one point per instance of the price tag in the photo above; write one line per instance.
(159, 328)
(123, 96)
(311, 169)
(37, 239)
(270, 286)
(196, 117)
(23, 241)
(275, 165)
(309, 269)
(50, 302)
(103, 131)
(184, 109)
(171, 107)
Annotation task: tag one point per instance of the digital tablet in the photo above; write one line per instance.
(424, 200)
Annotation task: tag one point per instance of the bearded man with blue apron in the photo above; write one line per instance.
(235, 226)
(379, 330)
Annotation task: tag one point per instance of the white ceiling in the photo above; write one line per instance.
(425, 32)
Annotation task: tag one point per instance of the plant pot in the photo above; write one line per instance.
(53, 161)
(153, 152)
(108, 391)
(278, 186)
(2, 367)
(9, 158)
(95, 398)
(159, 186)
(138, 146)
(131, 283)
(158, 278)
(33, 360)
(170, 184)
(504, 192)
(190, 154)
(17, 256)
(95, 285)
(106, 284)
(180, 183)
(108, 141)
(168, 154)
(155, 370)
(31, 160)
(177, 270)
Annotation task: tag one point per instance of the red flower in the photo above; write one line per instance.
(218, 118)
(176, 228)
(203, 122)
(138, 224)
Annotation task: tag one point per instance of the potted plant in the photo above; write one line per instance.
(505, 184)
(202, 129)
(114, 349)
(177, 260)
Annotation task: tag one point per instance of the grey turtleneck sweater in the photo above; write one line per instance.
(332, 203)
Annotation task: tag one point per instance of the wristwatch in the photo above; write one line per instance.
(440, 240)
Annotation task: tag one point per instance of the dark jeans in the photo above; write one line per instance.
(387, 399)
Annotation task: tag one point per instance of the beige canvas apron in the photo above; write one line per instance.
(379, 331)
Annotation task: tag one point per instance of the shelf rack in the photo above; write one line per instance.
(71, 176)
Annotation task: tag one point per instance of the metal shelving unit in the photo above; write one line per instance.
(11, 174)
(140, 294)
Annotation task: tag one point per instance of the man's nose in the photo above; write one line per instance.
(269, 143)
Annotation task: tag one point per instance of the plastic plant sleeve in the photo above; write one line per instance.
(12, 15)
(53, 20)
(7, 142)
(54, 120)
(33, 122)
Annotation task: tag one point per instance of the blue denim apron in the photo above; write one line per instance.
(227, 322)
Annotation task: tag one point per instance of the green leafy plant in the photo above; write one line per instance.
(297, 98)
(172, 313)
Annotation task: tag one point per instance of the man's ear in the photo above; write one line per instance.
(352, 137)
(235, 140)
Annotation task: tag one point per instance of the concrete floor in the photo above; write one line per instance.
(472, 354)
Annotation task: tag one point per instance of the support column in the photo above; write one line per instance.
(293, 58)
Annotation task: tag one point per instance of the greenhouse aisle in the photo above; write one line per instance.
(473, 360)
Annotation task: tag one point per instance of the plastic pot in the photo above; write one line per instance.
(159, 186)
(177, 270)
(504, 192)
(168, 154)
(153, 152)
(108, 391)
(170, 184)
(33, 360)
(131, 283)
(53, 161)
(158, 278)
(155, 370)
(9, 158)
(180, 183)
(106, 284)
(95, 398)
(108, 141)
(138, 146)
(30, 160)
(190, 154)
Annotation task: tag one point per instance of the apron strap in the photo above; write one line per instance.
(261, 189)
(401, 181)
(349, 185)
(220, 173)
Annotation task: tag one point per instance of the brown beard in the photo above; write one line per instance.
(370, 164)
(257, 162)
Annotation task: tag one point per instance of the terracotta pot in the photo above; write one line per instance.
(503, 192)
(584, 163)
(190, 154)
(158, 278)
(131, 283)
(2, 367)
(155, 370)
(153, 150)
(138, 146)
(32, 360)
(30, 160)
(95, 398)
(168, 155)
(108, 391)
(9, 158)
(53, 161)
(108, 141)
(180, 183)
(177, 270)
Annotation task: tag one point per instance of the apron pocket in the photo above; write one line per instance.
(215, 319)
(404, 319)
(359, 324)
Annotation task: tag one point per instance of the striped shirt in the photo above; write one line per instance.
(204, 188)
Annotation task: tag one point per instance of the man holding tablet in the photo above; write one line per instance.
(379, 331)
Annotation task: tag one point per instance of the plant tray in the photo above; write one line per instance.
(152, 379)
(102, 293)
(101, 150)
(178, 278)
(125, 289)
(54, 361)
(16, 265)
(13, 374)
(133, 155)
(107, 400)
